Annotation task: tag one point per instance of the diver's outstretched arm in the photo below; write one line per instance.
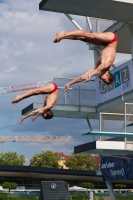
(31, 114)
(77, 80)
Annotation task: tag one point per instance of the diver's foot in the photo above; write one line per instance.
(16, 100)
(59, 36)
(21, 120)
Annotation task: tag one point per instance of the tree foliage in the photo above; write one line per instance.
(120, 186)
(45, 159)
(9, 185)
(87, 185)
(11, 158)
(81, 162)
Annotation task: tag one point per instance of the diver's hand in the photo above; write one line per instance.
(37, 113)
(86, 78)
(66, 87)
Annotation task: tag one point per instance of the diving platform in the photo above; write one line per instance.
(115, 105)
(104, 148)
(66, 111)
(111, 146)
(78, 102)
(109, 134)
(118, 10)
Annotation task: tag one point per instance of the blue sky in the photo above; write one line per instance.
(28, 54)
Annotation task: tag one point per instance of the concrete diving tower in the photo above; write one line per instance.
(89, 109)
(122, 12)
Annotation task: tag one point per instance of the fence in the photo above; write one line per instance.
(99, 25)
(80, 94)
(118, 122)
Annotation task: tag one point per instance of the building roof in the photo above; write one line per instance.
(97, 158)
(62, 155)
(48, 173)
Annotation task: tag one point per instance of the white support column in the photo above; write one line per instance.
(125, 125)
(111, 191)
(79, 96)
(73, 21)
(89, 24)
(101, 124)
(65, 98)
(91, 195)
(127, 117)
(131, 37)
(97, 25)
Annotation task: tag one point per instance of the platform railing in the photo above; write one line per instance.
(118, 122)
(79, 94)
(99, 25)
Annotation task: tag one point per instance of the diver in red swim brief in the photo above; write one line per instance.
(52, 91)
(106, 57)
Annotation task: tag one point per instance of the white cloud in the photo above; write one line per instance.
(26, 41)
(11, 69)
(17, 53)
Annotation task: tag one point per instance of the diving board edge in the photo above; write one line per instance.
(110, 134)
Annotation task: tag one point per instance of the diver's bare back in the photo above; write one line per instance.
(107, 54)
(52, 98)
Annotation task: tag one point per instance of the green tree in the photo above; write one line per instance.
(87, 185)
(11, 158)
(9, 185)
(45, 159)
(120, 186)
(81, 162)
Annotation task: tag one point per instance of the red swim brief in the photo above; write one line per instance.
(55, 87)
(115, 38)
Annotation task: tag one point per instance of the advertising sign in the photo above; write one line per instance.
(115, 168)
(123, 82)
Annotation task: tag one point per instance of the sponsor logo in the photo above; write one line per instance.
(107, 165)
(53, 186)
(121, 79)
(119, 172)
